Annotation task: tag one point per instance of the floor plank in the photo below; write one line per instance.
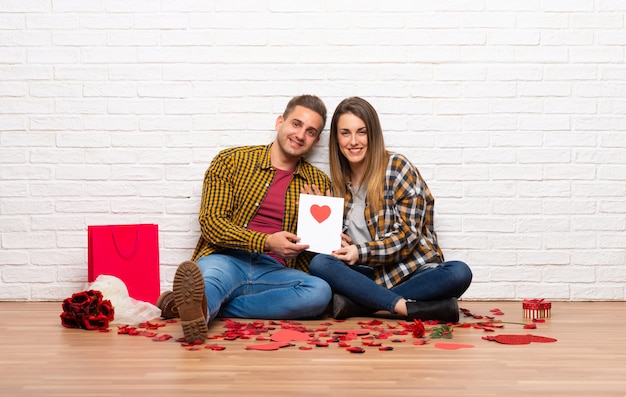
(41, 358)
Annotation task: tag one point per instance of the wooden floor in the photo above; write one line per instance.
(38, 357)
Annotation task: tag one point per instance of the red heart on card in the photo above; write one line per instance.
(320, 213)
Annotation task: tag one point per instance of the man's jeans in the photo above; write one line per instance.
(246, 285)
(447, 280)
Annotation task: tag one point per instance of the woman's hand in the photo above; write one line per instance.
(349, 254)
(313, 189)
(345, 240)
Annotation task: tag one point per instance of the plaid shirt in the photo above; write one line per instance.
(404, 238)
(234, 186)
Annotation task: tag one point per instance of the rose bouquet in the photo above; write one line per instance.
(87, 310)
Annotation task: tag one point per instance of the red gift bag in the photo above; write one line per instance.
(128, 252)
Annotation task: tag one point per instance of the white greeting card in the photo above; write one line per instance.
(320, 220)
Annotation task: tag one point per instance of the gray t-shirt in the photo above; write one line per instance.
(357, 226)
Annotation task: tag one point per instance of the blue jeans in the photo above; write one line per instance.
(447, 280)
(246, 285)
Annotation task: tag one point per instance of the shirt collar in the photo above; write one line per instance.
(266, 162)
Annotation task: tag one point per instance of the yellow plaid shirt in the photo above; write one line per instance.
(234, 187)
(403, 232)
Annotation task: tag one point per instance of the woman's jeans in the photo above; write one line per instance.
(246, 285)
(447, 280)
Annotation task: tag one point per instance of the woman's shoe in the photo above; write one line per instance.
(344, 307)
(444, 311)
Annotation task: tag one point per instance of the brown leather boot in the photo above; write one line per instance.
(167, 304)
(191, 301)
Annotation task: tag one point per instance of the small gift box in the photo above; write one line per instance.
(536, 308)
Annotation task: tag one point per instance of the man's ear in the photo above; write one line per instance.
(279, 122)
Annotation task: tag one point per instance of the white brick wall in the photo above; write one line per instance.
(111, 110)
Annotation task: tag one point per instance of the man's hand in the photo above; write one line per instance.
(284, 244)
(313, 189)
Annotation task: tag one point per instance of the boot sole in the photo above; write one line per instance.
(189, 296)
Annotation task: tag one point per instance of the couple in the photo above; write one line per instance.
(248, 262)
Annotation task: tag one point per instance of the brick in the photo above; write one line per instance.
(491, 291)
(491, 224)
(10, 55)
(28, 172)
(79, 39)
(550, 291)
(543, 224)
(80, 73)
(41, 240)
(13, 155)
(53, 55)
(601, 258)
(598, 292)
(77, 6)
(15, 292)
(13, 224)
(612, 240)
(122, 6)
(26, 106)
(25, 72)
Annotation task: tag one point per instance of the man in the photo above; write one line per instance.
(248, 262)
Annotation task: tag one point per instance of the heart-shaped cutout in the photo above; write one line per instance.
(268, 346)
(357, 332)
(519, 339)
(288, 335)
(452, 346)
(320, 213)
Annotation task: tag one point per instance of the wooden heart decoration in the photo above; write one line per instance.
(320, 213)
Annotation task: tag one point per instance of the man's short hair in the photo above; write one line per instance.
(308, 101)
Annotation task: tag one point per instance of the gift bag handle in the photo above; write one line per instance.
(117, 246)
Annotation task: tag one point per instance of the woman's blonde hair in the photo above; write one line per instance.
(376, 157)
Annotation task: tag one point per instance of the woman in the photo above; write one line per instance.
(389, 259)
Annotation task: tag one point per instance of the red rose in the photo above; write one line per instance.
(418, 329)
(96, 322)
(69, 320)
(82, 303)
(107, 309)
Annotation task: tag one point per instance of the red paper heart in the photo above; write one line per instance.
(268, 346)
(452, 346)
(541, 339)
(320, 213)
(287, 335)
(358, 332)
(519, 339)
